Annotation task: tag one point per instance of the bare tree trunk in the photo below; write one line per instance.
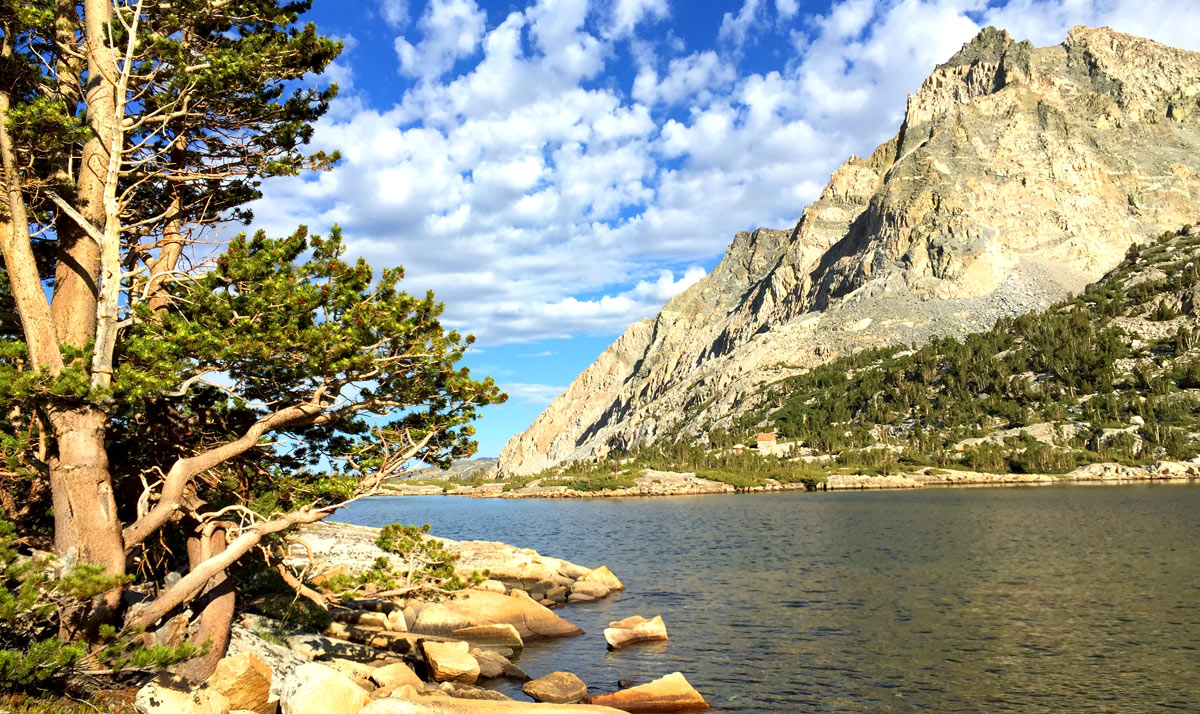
(16, 244)
(216, 618)
(77, 278)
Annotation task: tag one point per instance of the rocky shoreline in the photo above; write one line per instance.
(671, 483)
(407, 655)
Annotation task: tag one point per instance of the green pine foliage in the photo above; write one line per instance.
(425, 569)
(32, 596)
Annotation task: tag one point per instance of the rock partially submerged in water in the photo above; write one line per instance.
(671, 693)
(602, 576)
(635, 629)
(494, 664)
(556, 688)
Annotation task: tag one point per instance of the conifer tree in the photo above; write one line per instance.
(175, 406)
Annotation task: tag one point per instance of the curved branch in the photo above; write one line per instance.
(185, 469)
(194, 581)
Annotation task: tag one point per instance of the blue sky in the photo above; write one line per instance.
(558, 169)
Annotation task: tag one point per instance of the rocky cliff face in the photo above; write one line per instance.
(1018, 176)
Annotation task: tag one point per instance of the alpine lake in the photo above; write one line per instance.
(1032, 599)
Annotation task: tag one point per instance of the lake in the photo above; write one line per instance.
(1061, 598)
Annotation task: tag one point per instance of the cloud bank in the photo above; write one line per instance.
(568, 167)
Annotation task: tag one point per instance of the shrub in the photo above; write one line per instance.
(427, 569)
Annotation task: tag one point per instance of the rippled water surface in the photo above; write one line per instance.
(1065, 599)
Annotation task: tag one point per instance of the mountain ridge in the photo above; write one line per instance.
(1018, 176)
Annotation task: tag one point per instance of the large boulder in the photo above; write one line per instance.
(556, 688)
(671, 693)
(171, 694)
(481, 607)
(635, 629)
(450, 661)
(316, 689)
(245, 680)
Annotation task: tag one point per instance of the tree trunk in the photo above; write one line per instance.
(216, 618)
(162, 266)
(16, 245)
(77, 277)
(85, 512)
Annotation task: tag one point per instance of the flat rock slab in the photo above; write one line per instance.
(635, 629)
(354, 547)
(402, 642)
(473, 608)
(671, 693)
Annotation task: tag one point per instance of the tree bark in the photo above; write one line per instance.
(76, 279)
(162, 266)
(216, 618)
(16, 245)
(85, 511)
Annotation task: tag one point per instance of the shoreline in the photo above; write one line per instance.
(654, 483)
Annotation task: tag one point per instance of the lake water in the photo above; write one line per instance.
(1064, 599)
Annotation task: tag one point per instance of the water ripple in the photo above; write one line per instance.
(1009, 600)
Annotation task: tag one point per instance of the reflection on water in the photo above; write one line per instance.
(1070, 599)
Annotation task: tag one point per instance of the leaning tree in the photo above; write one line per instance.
(177, 404)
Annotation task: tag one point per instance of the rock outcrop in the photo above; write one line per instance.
(1018, 176)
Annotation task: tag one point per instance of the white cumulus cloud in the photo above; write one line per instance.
(451, 30)
(556, 171)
